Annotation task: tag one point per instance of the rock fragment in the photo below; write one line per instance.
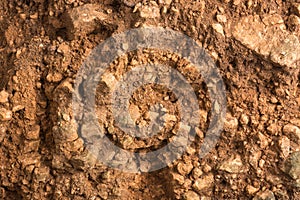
(294, 20)
(83, 19)
(150, 11)
(296, 8)
(269, 38)
(54, 77)
(3, 130)
(204, 182)
(31, 146)
(251, 190)
(5, 115)
(284, 143)
(265, 195)
(29, 159)
(233, 165)
(33, 133)
(191, 195)
(230, 123)
(263, 140)
(3, 96)
(218, 28)
(184, 168)
(292, 131)
(253, 159)
(221, 18)
(293, 165)
(196, 173)
(244, 119)
(41, 174)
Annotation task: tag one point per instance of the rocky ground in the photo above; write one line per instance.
(255, 45)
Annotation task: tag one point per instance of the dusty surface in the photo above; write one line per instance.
(255, 45)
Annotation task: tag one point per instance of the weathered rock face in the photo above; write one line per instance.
(268, 37)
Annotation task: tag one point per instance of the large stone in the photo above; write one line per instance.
(269, 38)
(293, 165)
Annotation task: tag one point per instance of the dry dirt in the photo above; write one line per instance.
(255, 45)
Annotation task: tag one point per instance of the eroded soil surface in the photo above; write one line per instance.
(255, 45)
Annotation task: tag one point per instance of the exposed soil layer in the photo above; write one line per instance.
(254, 44)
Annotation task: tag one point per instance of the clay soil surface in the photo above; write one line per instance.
(255, 46)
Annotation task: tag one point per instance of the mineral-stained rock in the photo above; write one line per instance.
(269, 38)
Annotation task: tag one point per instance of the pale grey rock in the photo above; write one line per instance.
(268, 37)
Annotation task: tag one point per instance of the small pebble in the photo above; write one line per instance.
(244, 119)
(34, 16)
(221, 18)
(284, 143)
(5, 115)
(3, 96)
